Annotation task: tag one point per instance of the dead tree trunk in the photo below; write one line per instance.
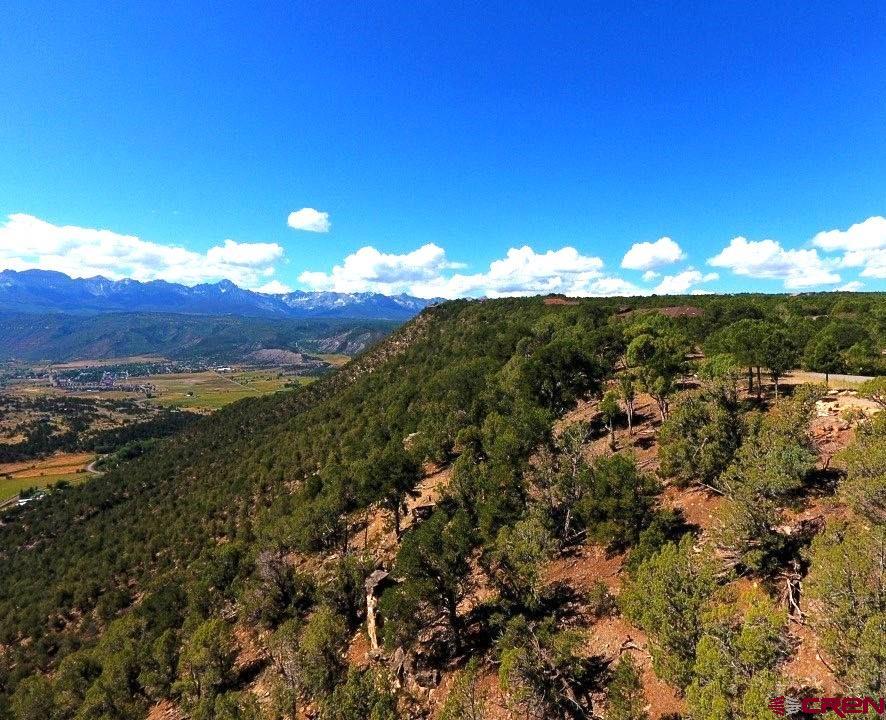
(630, 413)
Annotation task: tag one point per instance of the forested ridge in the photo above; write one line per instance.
(223, 569)
(58, 337)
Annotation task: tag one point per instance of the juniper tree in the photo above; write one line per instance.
(847, 581)
(864, 486)
(433, 565)
(610, 410)
(625, 699)
(665, 598)
(700, 438)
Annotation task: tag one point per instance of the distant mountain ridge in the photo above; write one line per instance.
(61, 337)
(50, 291)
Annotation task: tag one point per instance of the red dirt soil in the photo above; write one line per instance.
(559, 300)
(165, 710)
(379, 537)
(806, 666)
(699, 506)
(612, 636)
(582, 568)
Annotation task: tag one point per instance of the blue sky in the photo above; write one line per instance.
(454, 148)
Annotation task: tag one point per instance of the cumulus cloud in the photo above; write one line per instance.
(612, 287)
(769, 260)
(651, 255)
(248, 254)
(275, 287)
(874, 265)
(28, 242)
(368, 269)
(427, 272)
(680, 283)
(852, 286)
(863, 245)
(650, 275)
(869, 234)
(309, 220)
(525, 272)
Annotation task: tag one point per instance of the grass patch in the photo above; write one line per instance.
(211, 390)
(334, 359)
(10, 487)
(15, 477)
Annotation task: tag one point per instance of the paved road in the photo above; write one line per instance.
(91, 467)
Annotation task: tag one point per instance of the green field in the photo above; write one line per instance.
(337, 360)
(10, 487)
(210, 390)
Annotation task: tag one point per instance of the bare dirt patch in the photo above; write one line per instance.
(699, 506)
(584, 567)
(61, 464)
(358, 650)
(559, 300)
(806, 666)
(251, 650)
(612, 636)
(642, 442)
(165, 710)
(379, 535)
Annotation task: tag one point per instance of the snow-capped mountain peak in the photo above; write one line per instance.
(42, 290)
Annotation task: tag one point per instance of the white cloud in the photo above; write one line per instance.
(425, 273)
(863, 245)
(650, 275)
(310, 220)
(874, 265)
(248, 254)
(275, 287)
(29, 242)
(767, 259)
(852, 286)
(612, 287)
(867, 235)
(525, 272)
(650, 255)
(369, 269)
(680, 283)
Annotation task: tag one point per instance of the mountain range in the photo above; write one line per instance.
(50, 291)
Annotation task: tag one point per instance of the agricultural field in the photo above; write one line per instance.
(209, 390)
(152, 382)
(79, 411)
(336, 360)
(70, 467)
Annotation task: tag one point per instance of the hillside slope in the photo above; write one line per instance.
(468, 455)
